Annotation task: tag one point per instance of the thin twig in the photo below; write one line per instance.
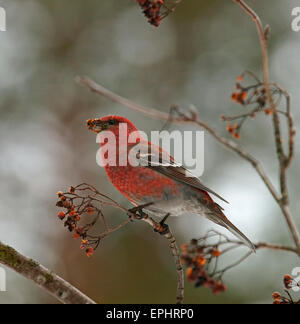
(284, 161)
(95, 87)
(275, 247)
(290, 124)
(221, 272)
(266, 73)
(51, 282)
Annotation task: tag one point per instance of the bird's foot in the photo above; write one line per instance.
(138, 212)
(162, 227)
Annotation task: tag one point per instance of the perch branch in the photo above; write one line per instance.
(52, 283)
(176, 255)
(166, 233)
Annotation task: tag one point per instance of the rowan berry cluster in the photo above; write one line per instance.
(253, 97)
(198, 258)
(234, 130)
(82, 209)
(151, 10)
(156, 10)
(75, 208)
(239, 96)
(249, 95)
(280, 300)
(289, 283)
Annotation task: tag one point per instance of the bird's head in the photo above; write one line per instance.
(109, 123)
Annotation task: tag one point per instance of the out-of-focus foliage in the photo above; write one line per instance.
(193, 58)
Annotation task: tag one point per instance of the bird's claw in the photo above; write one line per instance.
(163, 228)
(138, 211)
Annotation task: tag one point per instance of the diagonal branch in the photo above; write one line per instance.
(52, 283)
(97, 88)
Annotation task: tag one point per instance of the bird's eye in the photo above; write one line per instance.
(112, 122)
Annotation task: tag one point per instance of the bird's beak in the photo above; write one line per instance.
(96, 125)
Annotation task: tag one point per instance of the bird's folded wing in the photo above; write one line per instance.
(161, 161)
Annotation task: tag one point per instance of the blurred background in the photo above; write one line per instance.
(193, 58)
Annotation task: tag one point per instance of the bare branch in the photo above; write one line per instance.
(275, 247)
(52, 283)
(176, 255)
(95, 87)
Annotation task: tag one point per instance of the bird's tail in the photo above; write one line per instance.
(233, 229)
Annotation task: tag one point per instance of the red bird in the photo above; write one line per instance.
(164, 183)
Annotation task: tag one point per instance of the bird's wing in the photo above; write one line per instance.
(156, 159)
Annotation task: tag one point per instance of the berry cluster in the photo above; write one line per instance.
(240, 96)
(155, 10)
(280, 300)
(198, 258)
(75, 207)
(85, 202)
(289, 283)
(253, 96)
(152, 11)
(234, 130)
